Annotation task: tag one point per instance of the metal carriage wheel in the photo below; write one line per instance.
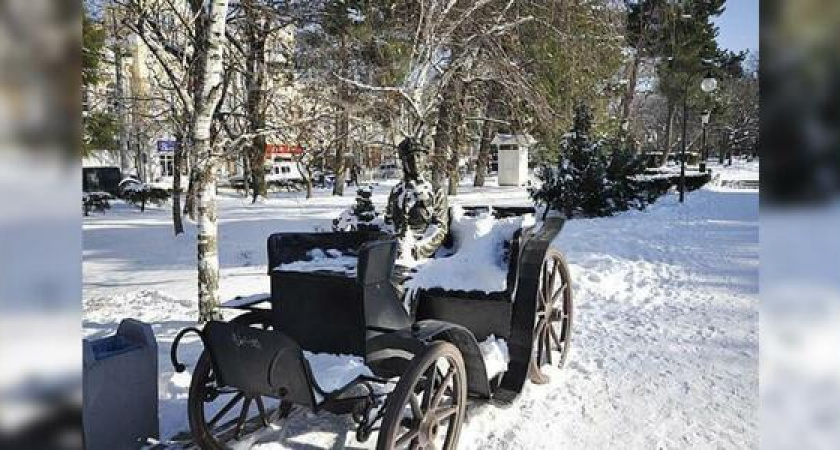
(218, 414)
(427, 407)
(553, 329)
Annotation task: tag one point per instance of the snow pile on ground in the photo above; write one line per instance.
(144, 305)
(333, 372)
(478, 263)
(330, 260)
(494, 351)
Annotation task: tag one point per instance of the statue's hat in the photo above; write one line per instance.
(411, 145)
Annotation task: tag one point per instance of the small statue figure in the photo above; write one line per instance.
(418, 212)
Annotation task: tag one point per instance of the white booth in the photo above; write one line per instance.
(512, 151)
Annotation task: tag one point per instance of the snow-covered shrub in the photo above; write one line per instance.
(656, 184)
(592, 178)
(140, 194)
(95, 201)
(361, 216)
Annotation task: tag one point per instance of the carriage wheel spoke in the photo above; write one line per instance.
(416, 411)
(564, 328)
(553, 279)
(225, 409)
(540, 338)
(556, 296)
(443, 414)
(243, 415)
(547, 340)
(439, 394)
(547, 285)
(412, 433)
(541, 302)
(429, 390)
(557, 341)
(261, 408)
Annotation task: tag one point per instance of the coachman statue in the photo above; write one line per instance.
(418, 212)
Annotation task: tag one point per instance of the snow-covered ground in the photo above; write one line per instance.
(665, 343)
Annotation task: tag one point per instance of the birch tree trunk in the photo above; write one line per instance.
(207, 96)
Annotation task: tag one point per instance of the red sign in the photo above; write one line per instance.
(272, 150)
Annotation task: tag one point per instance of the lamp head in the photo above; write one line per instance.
(709, 84)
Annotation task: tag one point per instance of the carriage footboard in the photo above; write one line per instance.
(257, 362)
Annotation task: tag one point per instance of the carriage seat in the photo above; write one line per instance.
(472, 279)
(334, 310)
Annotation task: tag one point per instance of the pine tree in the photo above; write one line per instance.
(578, 185)
(361, 216)
(625, 191)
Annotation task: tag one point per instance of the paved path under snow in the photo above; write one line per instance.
(665, 345)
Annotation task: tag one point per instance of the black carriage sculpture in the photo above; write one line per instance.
(431, 353)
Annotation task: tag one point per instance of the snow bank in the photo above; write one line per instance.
(494, 351)
(146, 305)
(478, 263)
(330, 260)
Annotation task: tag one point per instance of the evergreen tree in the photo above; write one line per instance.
(577, 186)
(588, 181)
(361, 216)
(625, 191)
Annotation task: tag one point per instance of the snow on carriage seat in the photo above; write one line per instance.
(478, 263)
(317, 260)
(333, 372)
(494, 351)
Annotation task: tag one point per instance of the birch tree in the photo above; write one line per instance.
(187, 41)
(206, 98)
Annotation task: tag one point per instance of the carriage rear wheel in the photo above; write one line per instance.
(218, 414)
(553, 330)
(427, 407)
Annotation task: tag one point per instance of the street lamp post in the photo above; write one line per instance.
(704, 153)
(708, 85)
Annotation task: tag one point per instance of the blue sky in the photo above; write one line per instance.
(739, 25)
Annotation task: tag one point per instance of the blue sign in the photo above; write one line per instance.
(166, 146)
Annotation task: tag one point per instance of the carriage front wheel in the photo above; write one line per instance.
(218, 414)
(427, 407)
(553, 329)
